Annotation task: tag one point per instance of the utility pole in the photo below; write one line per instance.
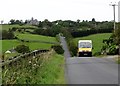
(114, 12)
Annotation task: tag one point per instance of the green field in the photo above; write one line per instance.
(97, 40)
(36, 37)
(9, 44)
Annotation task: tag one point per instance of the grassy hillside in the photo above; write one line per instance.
(97, 40)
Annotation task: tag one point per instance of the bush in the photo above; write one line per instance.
(58, 49)
(7, 34)
(22, 49)
(73, 48)
(112, 50)
(58, 38)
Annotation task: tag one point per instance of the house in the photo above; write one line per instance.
(33, 21)
(11, 51)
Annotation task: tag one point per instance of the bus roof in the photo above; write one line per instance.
(85, 41)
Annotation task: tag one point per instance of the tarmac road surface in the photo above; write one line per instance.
(89, 70)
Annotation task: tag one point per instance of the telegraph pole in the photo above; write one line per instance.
(114, 20)
(113, 12)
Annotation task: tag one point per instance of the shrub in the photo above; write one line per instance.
(112, 50)
(58, 49)
(7, 34)
(73, 48)
(58, 38)
(22, 49)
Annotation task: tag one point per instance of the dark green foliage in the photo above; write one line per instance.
(71, 45)
(75, 28)
(66, 34)
(58, 49)
(112, 50)
(12, 21)
(58, 37)
(7, 34)
(38, 31)
(89, 32)
(110, 46)
(51, 31)
(93, 20)
(23, 28)
(72, 48)
(117, 34)
(22, 49)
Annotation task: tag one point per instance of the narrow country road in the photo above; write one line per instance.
(65, 47)
(89, 70)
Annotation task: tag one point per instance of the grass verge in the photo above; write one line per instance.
(52, 71)
(47, 68)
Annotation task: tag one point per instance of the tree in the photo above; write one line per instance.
(40, 24)
(46, 23)
(26, 21)
(78, 21)
(22, 49)
(10, 35)
(58, 49)
(4, 34)
(7, 34)
(93, 20)
(12, 21)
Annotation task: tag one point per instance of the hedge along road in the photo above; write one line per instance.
(89, 70)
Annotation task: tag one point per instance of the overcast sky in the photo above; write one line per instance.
(57, 9)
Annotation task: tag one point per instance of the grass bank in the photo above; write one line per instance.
(47, 68)
(52, 71)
